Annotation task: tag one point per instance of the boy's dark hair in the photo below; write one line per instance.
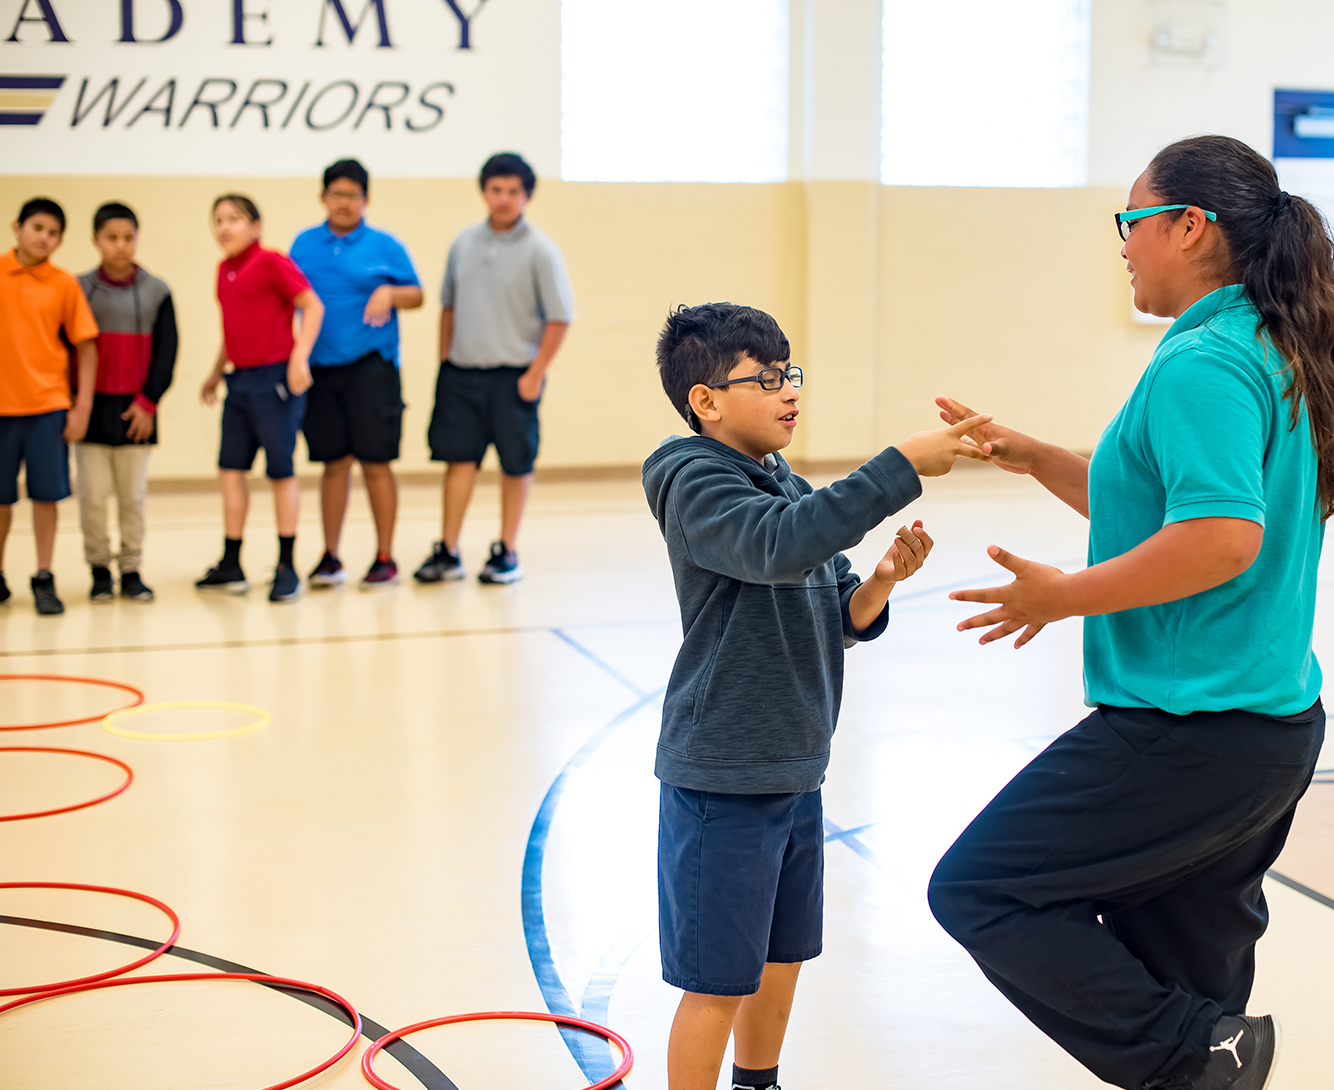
(113, 210)
(244, 205)
(507, 164)
(42, 205)
(350, 169)
(702, 344)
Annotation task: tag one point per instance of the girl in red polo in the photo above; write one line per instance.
(259, 292)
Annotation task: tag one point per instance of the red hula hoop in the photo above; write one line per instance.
(627, 1056)
(258, 978)
(136, 693)
(129, 779)
(171, 940)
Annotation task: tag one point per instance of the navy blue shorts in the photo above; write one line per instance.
(478, 406)
(38, 443)
(260, 411)
(740, 883)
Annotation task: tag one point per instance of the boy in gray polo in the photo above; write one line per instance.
(507, 303)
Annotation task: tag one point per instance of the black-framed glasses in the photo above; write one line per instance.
(771, 378)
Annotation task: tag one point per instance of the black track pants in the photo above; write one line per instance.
(1164, 826)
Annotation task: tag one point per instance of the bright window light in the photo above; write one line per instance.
(692, 91)
(979, 93)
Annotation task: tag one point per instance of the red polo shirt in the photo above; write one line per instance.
(255, 291)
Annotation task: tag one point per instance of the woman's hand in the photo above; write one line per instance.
(1031, 602)
(1013, 451)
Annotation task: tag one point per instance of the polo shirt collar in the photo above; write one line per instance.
(1200, 311)
(351, 238)
(519, 229)
(10, 263)
(234, 263)
(127, 282)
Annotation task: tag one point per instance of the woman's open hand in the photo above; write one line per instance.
(1031, 602)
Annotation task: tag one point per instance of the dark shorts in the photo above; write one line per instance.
(260, 411)
(478, 406)
(38, 443)
(355, 408)
(740, 883)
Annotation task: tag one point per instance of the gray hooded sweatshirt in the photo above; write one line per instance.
(764, 589)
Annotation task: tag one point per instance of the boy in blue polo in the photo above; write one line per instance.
(768, 604)
(355, 409)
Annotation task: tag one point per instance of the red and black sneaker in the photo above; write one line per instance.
(382, 575)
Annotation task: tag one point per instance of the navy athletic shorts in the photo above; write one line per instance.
(260, 411)
(478, 406)
(740, 883)
(38, 444)
(355, 408)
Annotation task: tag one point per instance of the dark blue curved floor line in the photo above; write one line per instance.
(593, 1055)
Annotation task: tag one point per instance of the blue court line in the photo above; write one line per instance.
(601, 663)
(597, 996)
(1293, 884)
(593, 1055)
(849, 837)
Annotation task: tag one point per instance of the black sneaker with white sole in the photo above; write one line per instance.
(502, 566)
(286, 585)
(134, 588)
(224, 578)
(44, 594)
(104, 590)
(441, 566)
(1243, 1052)
(5, 592)
(329, 572)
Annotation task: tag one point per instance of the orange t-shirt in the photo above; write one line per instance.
(36, 303)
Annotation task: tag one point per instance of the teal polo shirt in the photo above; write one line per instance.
(1207, 434)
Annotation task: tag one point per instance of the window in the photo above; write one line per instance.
(977, 93)
(692, 91)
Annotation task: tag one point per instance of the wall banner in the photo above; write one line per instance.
(415, 88)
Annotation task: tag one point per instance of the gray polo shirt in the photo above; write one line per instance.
(503, 286)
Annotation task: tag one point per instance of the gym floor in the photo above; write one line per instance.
(453, 809)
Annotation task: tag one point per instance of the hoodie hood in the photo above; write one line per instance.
(677, 451)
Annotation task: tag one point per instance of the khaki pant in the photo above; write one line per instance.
(106, 471)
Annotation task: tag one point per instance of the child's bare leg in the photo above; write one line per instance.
(235, 501)
(459, 479)
(6, 516)
(699, 1038)
(286, 505)
(44, 530)
(761, 1023)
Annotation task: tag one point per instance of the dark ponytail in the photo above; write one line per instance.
(1279, 249)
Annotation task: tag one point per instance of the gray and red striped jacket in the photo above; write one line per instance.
(136, 349)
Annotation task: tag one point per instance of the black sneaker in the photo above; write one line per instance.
(328, 572)
(224, 579)
(441, 566)
(5, 592)
(104, 590)
(502, 566)
(134, 588)
(286, 585)
(1242, 1054)
(44, 594)
(383, 574)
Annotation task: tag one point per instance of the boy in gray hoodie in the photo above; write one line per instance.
(768, 605)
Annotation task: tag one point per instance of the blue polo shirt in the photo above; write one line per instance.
(344, 270)
(1206, 434)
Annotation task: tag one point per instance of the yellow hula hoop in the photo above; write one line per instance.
(262, 719)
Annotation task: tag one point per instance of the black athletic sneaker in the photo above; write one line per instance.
(134, 588)
(224, 579)
(383, 574)
(328, 572)
(286, 585)
(502, 566)
(44, 594)
(441, 566)
(5, 592)
(104, 590)
(1242, 1054)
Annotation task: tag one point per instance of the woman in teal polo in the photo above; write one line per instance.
(1112, 890)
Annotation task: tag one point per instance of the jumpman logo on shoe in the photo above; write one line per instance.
(1229, 1045)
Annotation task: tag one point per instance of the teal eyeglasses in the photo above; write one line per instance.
(1125, 219)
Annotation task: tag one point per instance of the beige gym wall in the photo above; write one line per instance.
(1014, 299)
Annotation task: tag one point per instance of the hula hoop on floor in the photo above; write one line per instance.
(157, 953)
(262, 719)
(627, 1056)
(129, 779)
(258, 978)
(136, 693)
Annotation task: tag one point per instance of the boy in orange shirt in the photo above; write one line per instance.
(37, 420)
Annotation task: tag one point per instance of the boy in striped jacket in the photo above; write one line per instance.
(136, 356)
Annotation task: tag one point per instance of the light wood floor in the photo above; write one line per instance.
(454, 810)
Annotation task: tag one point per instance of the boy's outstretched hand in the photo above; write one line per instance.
(904, 558)
(932, 453)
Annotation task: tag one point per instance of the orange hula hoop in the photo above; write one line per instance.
(136, 693)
